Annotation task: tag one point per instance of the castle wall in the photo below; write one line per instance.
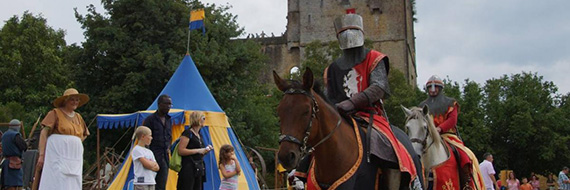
(387, 23)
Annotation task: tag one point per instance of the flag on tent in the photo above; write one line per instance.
(197, 20)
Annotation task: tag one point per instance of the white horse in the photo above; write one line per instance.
(435, 152)
(425, 139)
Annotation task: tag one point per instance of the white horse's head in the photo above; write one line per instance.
(420, 128)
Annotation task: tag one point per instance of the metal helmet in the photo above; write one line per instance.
(349, 31)
(15, 125)
(434, 81)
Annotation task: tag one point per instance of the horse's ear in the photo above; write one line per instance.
(308, 79)
(407, 111)
(425, 109)
(281, 84)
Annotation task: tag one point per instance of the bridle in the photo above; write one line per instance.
(423, 141)
(314, 109)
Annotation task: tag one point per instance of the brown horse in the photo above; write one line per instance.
(311, 125)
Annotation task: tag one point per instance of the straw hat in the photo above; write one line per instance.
(83, 98)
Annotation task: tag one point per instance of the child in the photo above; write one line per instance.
(144, 163)
(229, 166)
(525, 185)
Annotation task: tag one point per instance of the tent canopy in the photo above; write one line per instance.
(188, 90)
(189, 93)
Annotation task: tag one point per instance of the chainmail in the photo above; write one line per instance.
(439, 104)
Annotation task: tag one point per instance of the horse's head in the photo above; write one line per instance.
(419, 127)
(296, 112)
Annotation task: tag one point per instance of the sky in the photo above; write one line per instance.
(476, 40)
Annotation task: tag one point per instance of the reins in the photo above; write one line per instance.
(314, 110)
(423, 141)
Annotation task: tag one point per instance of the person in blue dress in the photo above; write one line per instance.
(13, 145)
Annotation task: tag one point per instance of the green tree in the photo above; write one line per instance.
(131, 52)
(470, 122)
(402, 94)
(523, 115)
(318, 56)
(32, 70)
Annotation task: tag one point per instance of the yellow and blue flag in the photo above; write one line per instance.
(197, 20)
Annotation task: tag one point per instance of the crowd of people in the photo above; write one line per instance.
(60, 160)
(512, 183)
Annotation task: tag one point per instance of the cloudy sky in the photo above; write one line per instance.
(478, 40)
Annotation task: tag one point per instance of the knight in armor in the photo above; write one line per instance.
(356, 83)
(444, 111)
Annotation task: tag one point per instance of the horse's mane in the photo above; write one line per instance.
(417, 113)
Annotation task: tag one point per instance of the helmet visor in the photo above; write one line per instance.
(351, 38)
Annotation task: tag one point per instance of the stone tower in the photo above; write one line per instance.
(387, 23)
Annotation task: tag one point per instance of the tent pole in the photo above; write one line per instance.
(188, 44)
(98, 162)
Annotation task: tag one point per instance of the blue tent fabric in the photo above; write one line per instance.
(106, 121)
(248, 171)
(210, 160)
(195, 94)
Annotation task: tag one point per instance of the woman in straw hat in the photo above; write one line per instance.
(61, 147)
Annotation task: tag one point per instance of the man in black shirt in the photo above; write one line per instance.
(161, 126)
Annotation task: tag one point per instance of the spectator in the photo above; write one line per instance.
(534, 182)
(550, 183)
(161, 127)
(13, 145)
(145, 165)
(192, 149)
(525, 185)
(563, 181)
(61, 143)
(501, 186)
(229, 167)
(488, 172)
(512, 182)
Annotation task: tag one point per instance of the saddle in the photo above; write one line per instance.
(380, 146)
(464, 172)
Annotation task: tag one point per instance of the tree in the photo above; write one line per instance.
(32, 70)
(402, 94)
(131, 52)
(470, 122)
(319, 55)
(527, 132)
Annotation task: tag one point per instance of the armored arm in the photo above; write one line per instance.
(378, 89)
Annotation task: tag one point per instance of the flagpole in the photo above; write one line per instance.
(188, 43)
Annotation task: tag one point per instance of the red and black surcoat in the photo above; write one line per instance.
(343, 83)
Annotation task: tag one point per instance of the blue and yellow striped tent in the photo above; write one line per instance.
(189, 93)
